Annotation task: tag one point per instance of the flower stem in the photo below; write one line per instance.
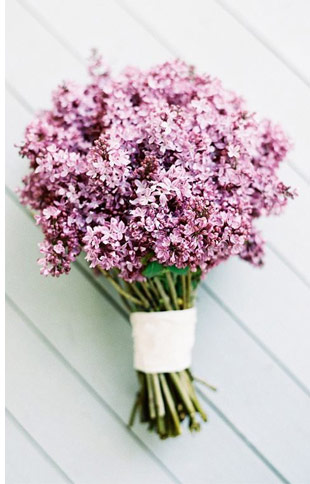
(189, 289)
(159, 403)
(150, 396)
(122, 291)
(154, 290)
(183, 282)
(172, 290)
(163, 294)
(145, 302)
(148, 294)
(170, 404)
(134, 411)
(184, 397)
(203, 382)
(187, 382)
(164, 400)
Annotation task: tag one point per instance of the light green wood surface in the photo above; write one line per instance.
(70, 382)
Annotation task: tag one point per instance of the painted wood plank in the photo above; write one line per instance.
(16, 118)
(74, 428)
(276, 311)
(283, 26)
(96, 341)
(24, 463)
(57, 64)
(111, 30)
(207, 36)
(285, 240)
(289, 233)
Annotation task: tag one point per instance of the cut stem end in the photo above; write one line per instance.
(165, 400)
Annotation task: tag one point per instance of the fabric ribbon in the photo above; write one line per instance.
(163, 340)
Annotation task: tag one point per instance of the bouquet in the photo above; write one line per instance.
(156, 176)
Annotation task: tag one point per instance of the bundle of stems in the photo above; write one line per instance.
(165, 292)
(164, 400)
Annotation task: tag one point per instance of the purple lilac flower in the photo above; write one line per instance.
(164, 163)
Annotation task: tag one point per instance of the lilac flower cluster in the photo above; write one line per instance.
(162, 165)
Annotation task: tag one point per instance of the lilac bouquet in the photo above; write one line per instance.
(157, 176)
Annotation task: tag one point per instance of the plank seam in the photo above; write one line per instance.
(88, 387)
(261, 38)
(18, 97)
(264, 42)
(242, 437)
(36, 445)
(48, 27)
(254, 338)
(287, 263)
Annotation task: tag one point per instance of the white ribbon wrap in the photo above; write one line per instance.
(163, 340)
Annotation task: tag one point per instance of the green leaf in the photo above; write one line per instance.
(153, 269)
(176, 270)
